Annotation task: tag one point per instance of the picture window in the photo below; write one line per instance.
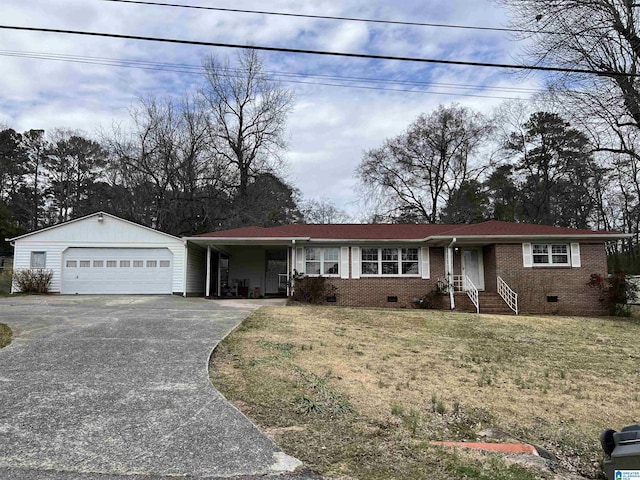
(390, 261)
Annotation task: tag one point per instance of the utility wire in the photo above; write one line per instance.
(321, 52)
(192, 71)
(326, 17)
(199, 70)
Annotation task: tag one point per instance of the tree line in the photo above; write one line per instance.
(211, 159)
(206, 161)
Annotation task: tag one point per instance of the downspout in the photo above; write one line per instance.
(13, 245)
(450, 273)
(289, 257)
(184, 269)
(294, 261)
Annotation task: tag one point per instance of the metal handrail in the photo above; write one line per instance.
(472, 293)
(508, 295)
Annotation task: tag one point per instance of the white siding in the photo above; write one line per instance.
(89, 232)
(196, 270)
(22, 259)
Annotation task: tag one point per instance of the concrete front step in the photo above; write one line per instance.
(490, 303)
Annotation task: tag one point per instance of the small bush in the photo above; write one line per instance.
(432, 300)
(313, 290)
(33, 280)
(615, 292)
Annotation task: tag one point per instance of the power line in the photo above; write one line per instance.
(321, 52)
(199, 69)
(327, 17)
(143, 65)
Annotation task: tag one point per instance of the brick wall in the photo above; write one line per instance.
(489, 261)
(534, 285)
(373, 291)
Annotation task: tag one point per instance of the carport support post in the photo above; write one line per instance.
(208, 285)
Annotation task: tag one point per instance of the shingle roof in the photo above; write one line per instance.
(490, 228)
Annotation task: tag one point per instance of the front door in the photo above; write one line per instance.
(472, 266)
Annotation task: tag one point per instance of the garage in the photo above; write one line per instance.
(104, 254)
(117, 271)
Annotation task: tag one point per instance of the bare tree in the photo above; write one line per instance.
(323, 211)
(166, 152)
(247, 113)
(598, 35)
(416, 172)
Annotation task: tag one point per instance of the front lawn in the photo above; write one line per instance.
(5, 335)
(360, 393)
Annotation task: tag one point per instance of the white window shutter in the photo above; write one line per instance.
(355, 262)
(527, 255)
(300, 259)
(575, 255)
(425, 268)
(344, 262)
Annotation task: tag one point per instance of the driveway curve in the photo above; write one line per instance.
(111, 386)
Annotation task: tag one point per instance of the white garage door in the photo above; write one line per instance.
(117, 271)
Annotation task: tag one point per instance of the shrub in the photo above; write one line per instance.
(313, 290)
(615, 292)
(432, 300)
(33, 281)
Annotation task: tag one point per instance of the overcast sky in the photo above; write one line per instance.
(329, 128)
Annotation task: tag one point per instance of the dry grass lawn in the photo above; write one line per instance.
(359, 393)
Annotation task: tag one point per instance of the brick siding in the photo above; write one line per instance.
(533, 285)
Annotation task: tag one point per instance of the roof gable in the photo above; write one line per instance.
(97, 227)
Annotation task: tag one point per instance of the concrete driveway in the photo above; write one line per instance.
(104, 387)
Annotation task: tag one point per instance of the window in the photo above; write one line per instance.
(369, 261)
(125, 263)
(112, 263)
(165, 263)
(152, 263)
(38, 259)
(390, 261)
(550, 254)
(322, 261)
(98, 263)
(85, 263)
(138, 263)
(410, 261)
(72, 263)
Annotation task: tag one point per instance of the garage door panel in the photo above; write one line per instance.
(117, 271)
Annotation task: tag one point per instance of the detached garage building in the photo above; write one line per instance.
(104, 254)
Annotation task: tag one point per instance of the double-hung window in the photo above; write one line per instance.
(38, 259)
(389, 261)
(322, 261)
(550, 254)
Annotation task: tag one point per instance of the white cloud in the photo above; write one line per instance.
(330, 127)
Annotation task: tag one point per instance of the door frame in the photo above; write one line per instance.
(480, 265)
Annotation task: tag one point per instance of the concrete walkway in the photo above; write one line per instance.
(105, 387)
